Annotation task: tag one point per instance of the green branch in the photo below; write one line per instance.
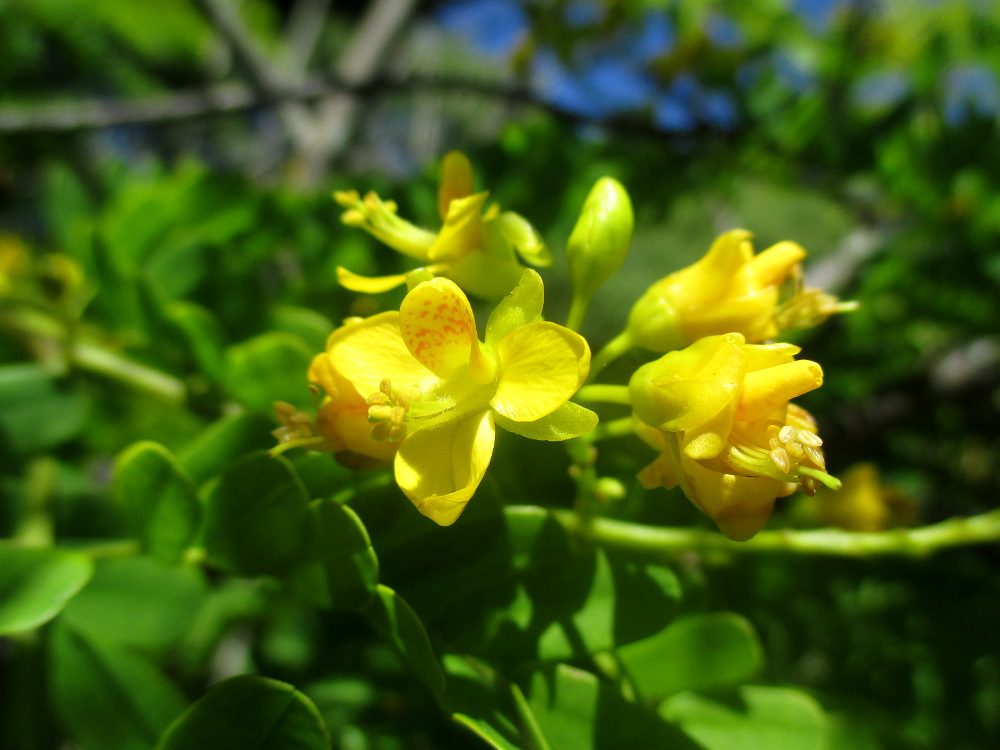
(40, 329)
(664, 542)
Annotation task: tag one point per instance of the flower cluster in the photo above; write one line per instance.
(419, 388)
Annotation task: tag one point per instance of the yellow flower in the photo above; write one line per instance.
(730, 290)
(477, 249)
(719, 413)
(432, 393)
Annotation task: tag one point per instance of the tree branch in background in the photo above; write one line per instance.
(359, 63)
(302, 33)
(263, 74)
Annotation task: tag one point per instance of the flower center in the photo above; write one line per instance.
(792, 454)
(394, 411)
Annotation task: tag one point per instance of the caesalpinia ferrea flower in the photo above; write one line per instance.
(730, 290)
(417, 386)
(719, 413)
(477, 247)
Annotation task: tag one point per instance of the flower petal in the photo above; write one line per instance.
(774, 265)
(440, 469)
(766, 390)
(568, 421)
(462, 231)
(368, 284)
(437, 324)
(362, 353)
(456, 180)
(541, 366)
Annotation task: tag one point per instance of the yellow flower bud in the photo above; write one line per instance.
(730, 290)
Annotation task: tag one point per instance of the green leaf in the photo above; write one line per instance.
(399, 624)
(222, 442)
(568, 421)
(522, 306)
(573, 709)
(160, 499)
(696, 653)
(268, 368)
(201, 334)
(473, 698)
(516, 586)
(108, 696)
(249, 712)
(755, 717)
(35, 584)
(306, 324)
(36, 411)
(138, 602)
(257, 517)
(346, 555)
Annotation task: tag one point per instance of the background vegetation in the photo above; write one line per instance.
(167, 263)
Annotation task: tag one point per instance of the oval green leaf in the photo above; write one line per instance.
(399, 624)
(109, 696)
(159, 498)
(257, 517)
(765, 717)
(346, 554)
(249, 712)
(696, 653)
(35, 584)
(268, 368)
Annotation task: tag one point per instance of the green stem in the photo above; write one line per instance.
(577, 312)
(611, 351)
(660, 542)
(611, 394)
(613, 428)
(43, 329)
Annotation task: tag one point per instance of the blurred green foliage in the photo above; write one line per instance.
(164, 584)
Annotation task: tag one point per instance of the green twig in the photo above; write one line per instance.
(662, 542)
(611, 351)
(40, 329)
(609, 394)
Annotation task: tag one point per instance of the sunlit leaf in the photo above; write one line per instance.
(35, 584)
(248, 712)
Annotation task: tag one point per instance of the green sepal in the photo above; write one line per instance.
(526, 241)
(522, 306)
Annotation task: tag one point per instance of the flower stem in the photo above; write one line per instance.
(43, 330)
(611, 351)
(611, 394)
(660, 542)
(577, 312)
(613, 428)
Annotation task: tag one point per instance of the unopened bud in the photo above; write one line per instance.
(601, 237)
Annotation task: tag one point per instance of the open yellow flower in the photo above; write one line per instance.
(730, 290)
(719, 413)
(477, 247)
(432, 393)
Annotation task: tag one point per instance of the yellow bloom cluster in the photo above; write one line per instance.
(418, 388)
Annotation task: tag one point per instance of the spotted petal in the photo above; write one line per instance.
(541, 366)
(438, 327)
(440, 469)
